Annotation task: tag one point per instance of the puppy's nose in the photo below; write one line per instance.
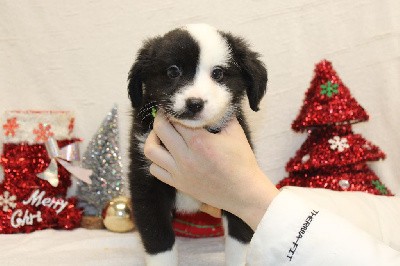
(195, 105)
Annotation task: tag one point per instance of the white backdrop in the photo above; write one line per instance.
(75, 55)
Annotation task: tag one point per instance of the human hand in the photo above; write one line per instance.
(218, 169)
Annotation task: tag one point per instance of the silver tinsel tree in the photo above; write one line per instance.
(102, 156)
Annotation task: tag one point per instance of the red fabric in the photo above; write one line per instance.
(197, 225)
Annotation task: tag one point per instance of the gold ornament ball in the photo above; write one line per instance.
(117, 215)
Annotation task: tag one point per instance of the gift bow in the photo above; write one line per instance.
(63, 156)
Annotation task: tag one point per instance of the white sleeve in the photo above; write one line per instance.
(297, 230)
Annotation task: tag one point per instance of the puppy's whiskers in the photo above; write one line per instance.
(147, 109)
(171, 112)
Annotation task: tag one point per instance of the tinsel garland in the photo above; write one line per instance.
(23, 212)
(21, 163)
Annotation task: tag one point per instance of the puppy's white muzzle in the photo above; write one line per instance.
(203, 103)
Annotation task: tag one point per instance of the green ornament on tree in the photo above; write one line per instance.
(329, 89)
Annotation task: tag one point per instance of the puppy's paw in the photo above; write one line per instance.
(166, 258)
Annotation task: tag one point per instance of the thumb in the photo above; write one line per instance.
(232, 127)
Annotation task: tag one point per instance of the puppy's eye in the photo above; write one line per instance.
(174, 72)
(217, 73)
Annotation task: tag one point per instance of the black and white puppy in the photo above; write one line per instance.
(199, 77)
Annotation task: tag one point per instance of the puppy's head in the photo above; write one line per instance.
(197, 75)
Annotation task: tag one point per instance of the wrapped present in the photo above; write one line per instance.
(36, 176)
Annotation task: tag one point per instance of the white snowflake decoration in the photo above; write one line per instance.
(7, 201)
(338, 143)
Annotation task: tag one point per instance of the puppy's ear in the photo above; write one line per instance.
(135, 85)
(138, 71)
(254, 71)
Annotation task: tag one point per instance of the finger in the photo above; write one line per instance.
(168, 135)
(215, 212)
(152, 139)
(188, 134)
(161, 174)
(155, 152)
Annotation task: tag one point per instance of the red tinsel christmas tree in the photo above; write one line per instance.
(333, 156)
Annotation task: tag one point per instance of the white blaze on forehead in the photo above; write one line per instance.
(214, 51)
